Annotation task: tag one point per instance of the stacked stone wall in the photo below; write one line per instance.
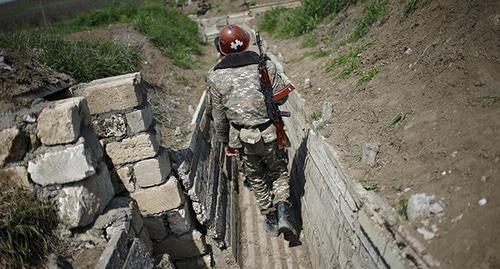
(140, 166)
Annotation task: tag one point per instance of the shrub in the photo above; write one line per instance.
(26, 227)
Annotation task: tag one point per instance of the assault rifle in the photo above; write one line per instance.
(271, 99)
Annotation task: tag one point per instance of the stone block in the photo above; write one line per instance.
(112, 126)
(138, 257)
(187, 246)
(139, 147)
(80, 203)
(66, 165)
(17, 175)
(12, 145)
(198, 262)
(140, 120)
(121, 209)
(89, 138)
(159, 199)
(60, 122)
(179, 220)
(156, 227)
(115, 253)
(152, 172)
(113, 94)
(125, 176)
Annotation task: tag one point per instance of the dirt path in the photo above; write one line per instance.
(261, 251)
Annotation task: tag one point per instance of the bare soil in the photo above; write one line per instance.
(173, 90)
(440, 64)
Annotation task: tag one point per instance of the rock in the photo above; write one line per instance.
(317, 124)
(115, 253)
(67, 165)
(113, 126)
(152, 172)
(120, 210)
(178, 131)
(436, 209)
(198, 262)
(57, 262)
(146, 240)
(140, 120)
(156, 227)
(369, 154)
(17, 175)
(165, 263)
(428, 235)
(190, 110)
(179, 220)
(125, 176)
(307, 84)
(29, 118)
(482, 201)
(139, 147)
(89, 139)
(60, 122)
(80, 203)
(12, 145)
(326, 113)
(138, 257)
(159, 199)
(418, 206)
(187, 246)
(113, 93)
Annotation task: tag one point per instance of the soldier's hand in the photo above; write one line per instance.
(231, 151)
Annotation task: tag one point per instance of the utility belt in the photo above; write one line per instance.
(251, 137)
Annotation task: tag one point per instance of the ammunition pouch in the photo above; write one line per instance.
(251, 138)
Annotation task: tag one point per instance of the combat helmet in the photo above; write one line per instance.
(233, 38)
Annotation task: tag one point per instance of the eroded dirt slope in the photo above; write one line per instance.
(440, 67)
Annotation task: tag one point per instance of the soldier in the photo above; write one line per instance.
(242, 124)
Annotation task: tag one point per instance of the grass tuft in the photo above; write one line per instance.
(26, 227)
(403, 209)
(368, 76)
(310, 41)
(375, 10)
(317, 53)
(409, 6)
(370, 185)
(401, 116)
(316, 115)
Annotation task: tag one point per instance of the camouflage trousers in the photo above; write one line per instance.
(267, 173)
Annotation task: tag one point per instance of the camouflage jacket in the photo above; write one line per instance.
(235, 97)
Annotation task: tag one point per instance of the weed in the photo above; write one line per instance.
(373, 12)
(344, 74)
(26, 227)
(369, 185)
(491, 99)
(368, 76)
(270, 19)
(409, 7)
(252, 2)
(316, 115)
(401, 116)
(317, 53)
(310, 40)
(346, 57)
(403, 208)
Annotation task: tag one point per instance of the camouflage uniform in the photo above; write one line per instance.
(235, 98)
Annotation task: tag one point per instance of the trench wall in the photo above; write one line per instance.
(344, 225)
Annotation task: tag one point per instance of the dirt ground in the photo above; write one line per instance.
(175, 91)
(441, 65)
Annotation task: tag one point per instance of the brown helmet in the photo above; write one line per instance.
(233, 38)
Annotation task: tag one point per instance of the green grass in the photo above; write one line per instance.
(353, 66)
(318, 53)
(370, 185)
(315, 116)
(401, 116)
(375, 10)
(403, 209)
(409, 7)
(26, 228)
(491, 99)
(83, 60)
(310, 41)
(285, 23)
(368, 76)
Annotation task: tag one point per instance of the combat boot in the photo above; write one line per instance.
(271, 224)
(285, 222)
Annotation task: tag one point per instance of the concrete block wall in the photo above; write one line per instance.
(139, 166)
(345, 226)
